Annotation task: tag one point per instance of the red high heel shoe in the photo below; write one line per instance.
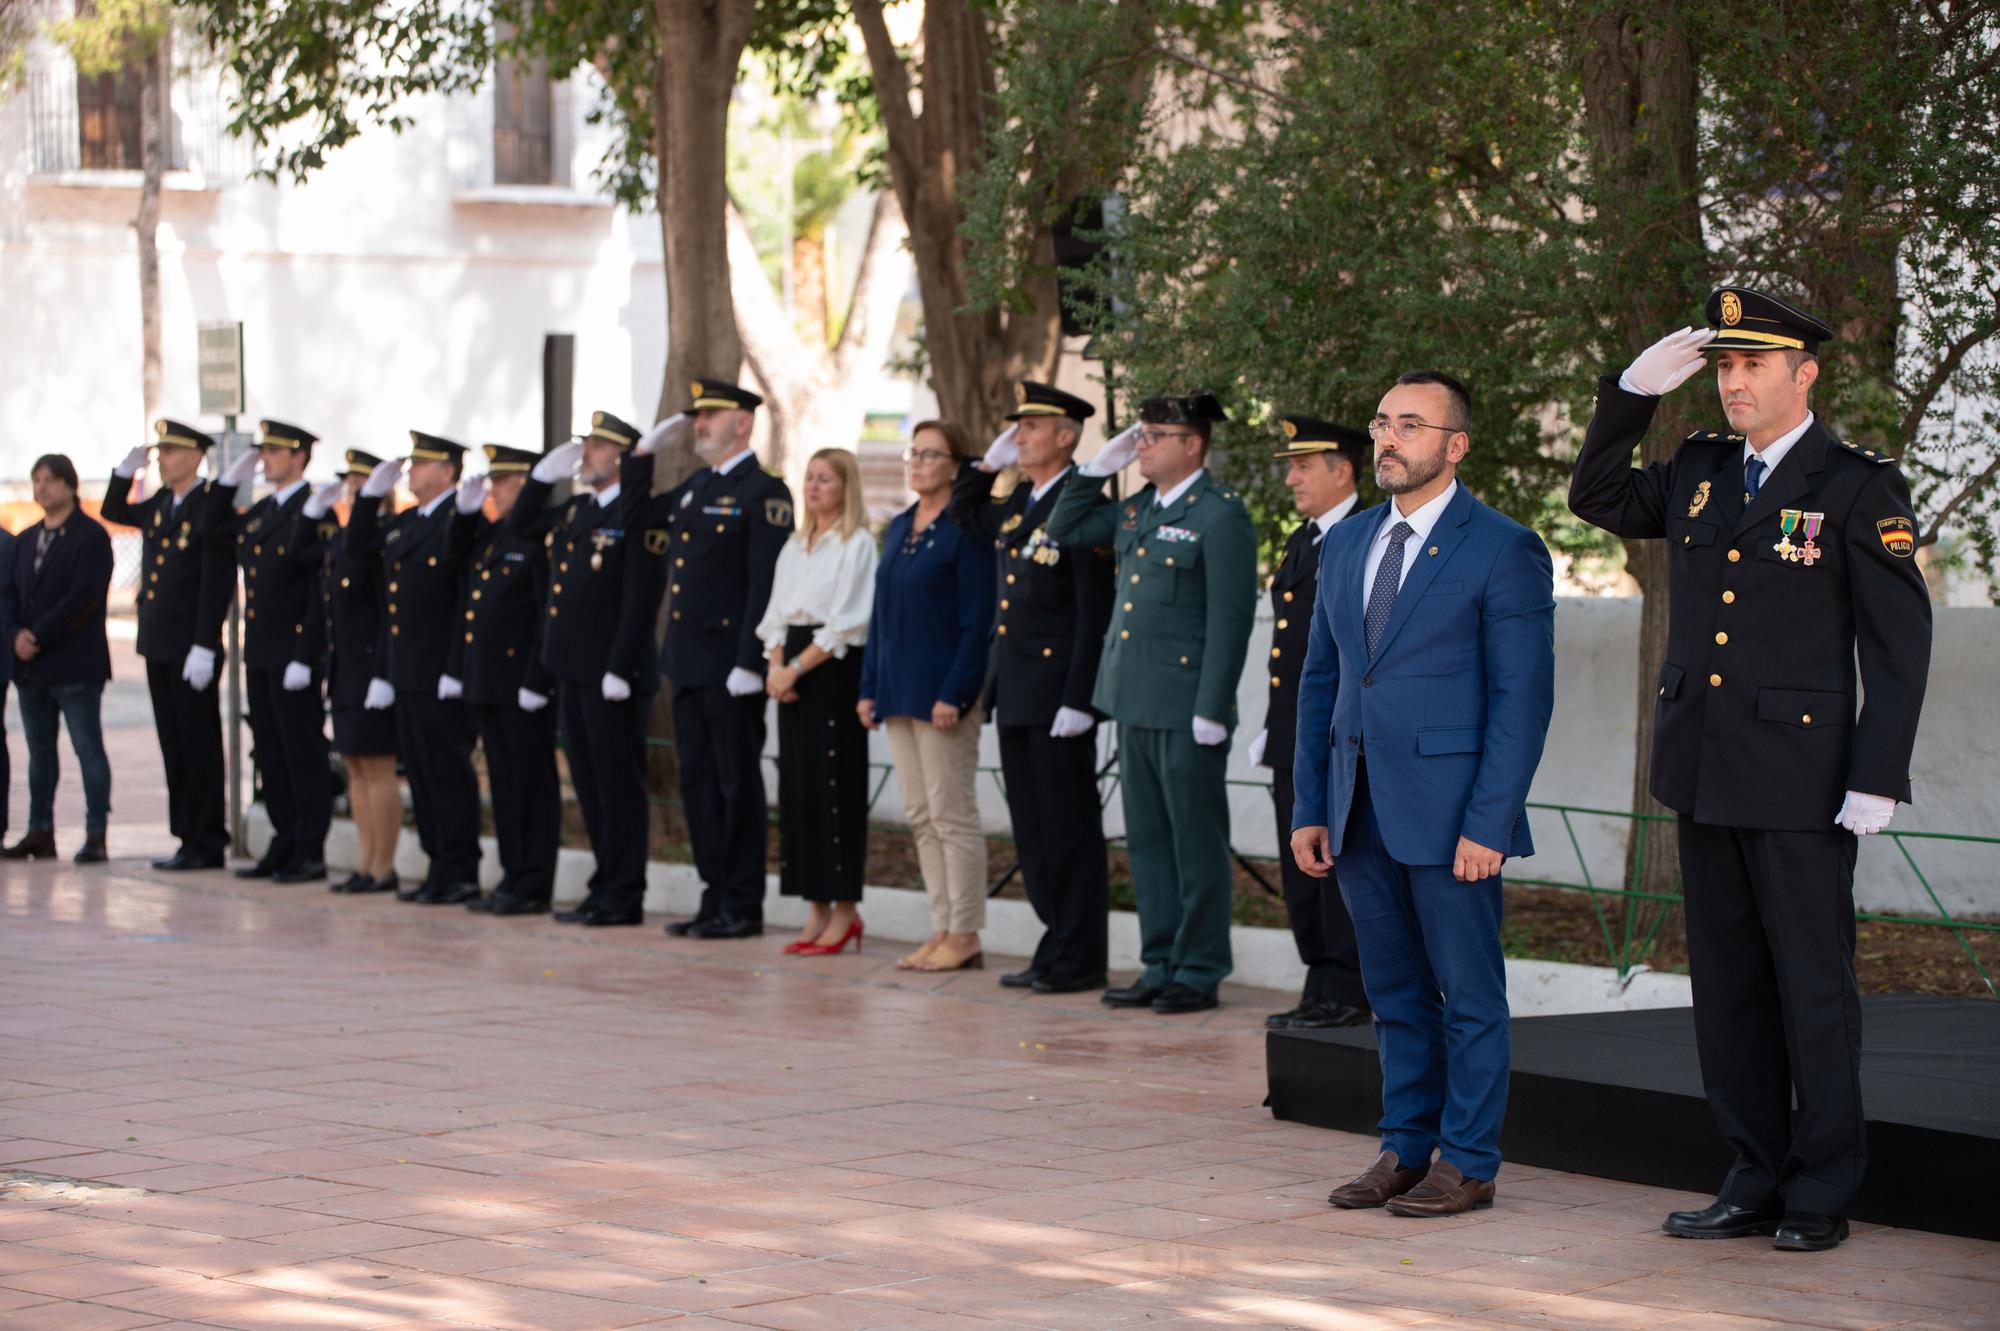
(853, 935)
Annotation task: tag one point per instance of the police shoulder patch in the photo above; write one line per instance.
(656, 541)
(1874, 455)
(778, 512)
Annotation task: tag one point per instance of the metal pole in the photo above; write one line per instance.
(235, 686)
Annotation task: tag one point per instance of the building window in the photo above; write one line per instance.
(523, 122)
(108, 120)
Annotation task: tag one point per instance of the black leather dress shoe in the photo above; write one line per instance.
(183, 860)
(261, 869)
(306, 871)
(682, 928)
(571, 914)
(1282, 1021)
(447, 894)
(1020, 979)
(1136, 994)
(33, 846)
(510, 904)
(1326, 1016)
(1805, 1232)
(1068, 984)
(724, 927)
(349, 883)
(1720, 1220)
(388, 882)
(1178, 998)
(414, 891)
(91, 852)
(607, 918)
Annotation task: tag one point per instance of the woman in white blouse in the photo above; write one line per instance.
(813, 628)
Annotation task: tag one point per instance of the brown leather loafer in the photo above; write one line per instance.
(1384, 1179)
(1444, 1191)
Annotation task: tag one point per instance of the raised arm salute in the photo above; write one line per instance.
(1790, 554)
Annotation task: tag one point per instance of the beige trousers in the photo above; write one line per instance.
(938, 771)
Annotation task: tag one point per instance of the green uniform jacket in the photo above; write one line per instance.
(1186, 596)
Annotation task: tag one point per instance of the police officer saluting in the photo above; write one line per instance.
(597, 644)
(498, 659)
(280, 657)
(1789, 554)
(1186, 592)
(727, 524)
(1055, 601)
(190, 580)
(1321, 463)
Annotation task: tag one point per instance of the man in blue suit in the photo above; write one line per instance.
(1423, 706)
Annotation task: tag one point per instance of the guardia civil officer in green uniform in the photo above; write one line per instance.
(1790, 558)
(1186, 595)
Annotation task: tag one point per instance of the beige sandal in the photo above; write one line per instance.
(914, 961)
(943, 958)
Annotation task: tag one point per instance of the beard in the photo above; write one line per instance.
(1414, 474)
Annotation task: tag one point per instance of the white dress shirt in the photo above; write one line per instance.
(831, 584)
(1166, 497)
(731, 464)
(1420, 522)
(1340, 510)
(1774, 452)
(435, 500)
(280, 496)
(1035, 495)
(609, 496)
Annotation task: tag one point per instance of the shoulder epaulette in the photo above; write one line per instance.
(1713, 437)
(1875, 455)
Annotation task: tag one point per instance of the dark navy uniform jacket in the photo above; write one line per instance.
(188, 576)
(280, 593)
(1293, 587)
(349, 630)
(605, 585)
(497, 645)
(423, 570)
(64, 604)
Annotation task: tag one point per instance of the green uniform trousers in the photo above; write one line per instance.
(1177, 833)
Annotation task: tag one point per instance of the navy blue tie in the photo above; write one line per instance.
(1388, 581)
(1753, 476)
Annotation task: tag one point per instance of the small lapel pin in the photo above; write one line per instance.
(1434, 550)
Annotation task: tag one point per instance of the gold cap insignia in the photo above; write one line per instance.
(160, 428)
(596, 419)
(1291, 430)
(1732, 309)
(1020, 393)
(695, 389)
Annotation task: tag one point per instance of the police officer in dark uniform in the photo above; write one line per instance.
(1790, 554)
(280, 664)
(423, 556)
(1322, 460)
(1055, 601)
(597, 643)
(728, 522)
(190, 579)
(498, 659)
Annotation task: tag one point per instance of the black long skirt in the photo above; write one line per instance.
(822, 780)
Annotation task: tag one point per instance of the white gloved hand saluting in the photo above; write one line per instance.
(530, 701)
(742, 683)
(471, 495)
(1209, 733)
(297, 675)
(449, 689)
(134, 463)
(1864, 815)
(657, 438)
(381, 696)
(321, 501)
(1004, 451)
(382, 480)
(1668, 363)
(559, 463)
(238, 473)
(615, 688)
(1116, 455)
(1257, 747)
(1071, 722)
(198, 671)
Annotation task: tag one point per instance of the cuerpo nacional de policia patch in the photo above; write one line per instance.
(1899, 536)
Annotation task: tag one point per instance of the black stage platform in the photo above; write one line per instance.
(1618, 1095)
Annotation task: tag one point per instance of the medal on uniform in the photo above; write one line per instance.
(1788, 520)
(1700, 500)
(1010, 523)
(600, 540)
(1809, 553)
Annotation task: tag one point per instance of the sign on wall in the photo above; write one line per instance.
(219, 355)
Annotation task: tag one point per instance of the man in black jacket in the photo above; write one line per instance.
(1055, 601)
(189, 579)
(1790, 555)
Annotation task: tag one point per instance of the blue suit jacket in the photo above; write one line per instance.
(1453, 707)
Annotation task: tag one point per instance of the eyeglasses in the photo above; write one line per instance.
(925, 455)
(1153, 438)
(1404, 430)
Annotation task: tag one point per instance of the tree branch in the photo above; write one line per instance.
(886, 237)
(1233, 80)
(1920, 402)
(1973, 487)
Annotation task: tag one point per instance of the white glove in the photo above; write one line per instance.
(322, 500)
(449, 689)
(530, 701)
(742, 683)
(1004, 451)
(656, 438)
(1257, 747)
(1668, 363)
(1070, 723)
(199, 669)
(1116, 455)
(381, 696)
(615, 688)
(559, 463)
(1864, 814)
(238, 473)
(297, 675)
(383, 479)
(471, 495)
(134, 463)
(1209, 733)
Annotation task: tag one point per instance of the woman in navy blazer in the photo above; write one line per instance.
(920, 682)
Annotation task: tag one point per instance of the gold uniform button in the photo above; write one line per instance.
(1663, 690)
(392, 586)
(552, 612)
(563, 567)
(1142, 552)
(249, 614)
(1722, 640)
(1687, 540)
(677, 614)
(1288, 597)
(1275, 652)
(1135, 579)
(1004, 603)
(394, 631)
(1735, 555)
(485, 575)
(1170, 561)
(1002, 630)
(1048, 651)
(1284, 623)
(256, 549)
(159, 559)
(154, 576)
(468, 637)
(676, 589)
(1806, 720)
(1276, 682)
(1183, 660)
(1124, 633)
(556, 590)
(687, 536)
(1729, 598)
(392, 607)
(1715, 681)
(1010, 579)
(431, 562)
(475, 593)
(720, 527)
(343, 582)
(677, 563)
(1128, 607)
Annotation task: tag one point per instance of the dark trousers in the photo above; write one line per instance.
(80, 708)
(606, 744)
(1777, 1013)
(1059, 839)
(288, 741)
(1320, 924)
(434, 740)
(1437, 982)
(822, 780)
(6, 762)
(527, 802)
(189, 724)
(719, 741)
(1177, 835)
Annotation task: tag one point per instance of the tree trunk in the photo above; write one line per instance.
(156, 147)
(1638, 75)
